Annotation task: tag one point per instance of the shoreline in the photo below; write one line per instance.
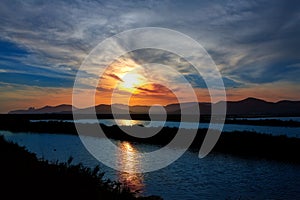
(24, 176)
(244, 144)
(239, 120)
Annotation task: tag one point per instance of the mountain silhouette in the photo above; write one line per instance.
(253, 106)
(248, 106)
(63, 108)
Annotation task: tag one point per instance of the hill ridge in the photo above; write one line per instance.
(247, 106)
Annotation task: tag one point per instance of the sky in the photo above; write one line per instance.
(254, 44)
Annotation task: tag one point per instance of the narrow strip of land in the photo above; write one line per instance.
(244, 144)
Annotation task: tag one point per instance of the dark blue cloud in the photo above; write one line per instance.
(35, 80)
(252, 41)
(9, 49)
(198, 82)
(13, 70)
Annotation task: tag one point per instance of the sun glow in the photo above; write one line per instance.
(131, 81)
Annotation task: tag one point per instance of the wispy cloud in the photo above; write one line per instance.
(154, 88)
(114, 76)
(241, 36)
(252, 42)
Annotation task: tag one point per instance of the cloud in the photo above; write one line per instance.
(103, 89)
(154, 88)
(241, 36)
(18, 96)
(115, 77)
(252, 42)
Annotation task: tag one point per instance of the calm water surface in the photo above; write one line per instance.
(278, 118)
(214, 177)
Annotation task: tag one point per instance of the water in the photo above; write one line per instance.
(273, 130)
(277, 118)
(189, 178)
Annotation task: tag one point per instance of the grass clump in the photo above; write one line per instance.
(23, 176)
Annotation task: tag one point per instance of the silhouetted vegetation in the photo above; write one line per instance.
(234, 119)
(245, 144)
(23, 176)
(240, 143)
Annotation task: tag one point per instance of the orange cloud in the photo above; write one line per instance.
(150, 94)
(153, 88)
(114, 76)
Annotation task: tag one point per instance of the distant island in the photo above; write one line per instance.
(247, 107)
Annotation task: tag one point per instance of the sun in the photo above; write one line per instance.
(131, 81)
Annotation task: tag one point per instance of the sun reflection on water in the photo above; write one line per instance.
(127, 122)
(130, 161)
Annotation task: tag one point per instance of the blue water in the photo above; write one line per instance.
(277, 118)
(189, 178)
(273, 130)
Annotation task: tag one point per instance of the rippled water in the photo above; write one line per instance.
(214, 177)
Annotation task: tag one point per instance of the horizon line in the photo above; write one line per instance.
(28, 108)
